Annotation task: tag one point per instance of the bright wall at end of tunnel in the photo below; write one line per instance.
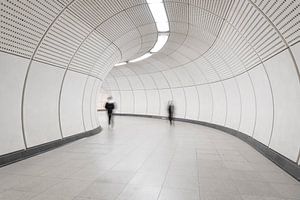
(263, 102)
(50, 100)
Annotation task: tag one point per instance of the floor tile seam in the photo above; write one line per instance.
(280, 196)
(34, 193)
(198, 174)
(23, 175)
(165, 178)
(73, 196)
(74, 172)
(230, 178)
(76, 179)
(66, 179)
(49, 179)
(92, 198)
(199, 184)
(154, 149)
(118, 162)
(267, 182)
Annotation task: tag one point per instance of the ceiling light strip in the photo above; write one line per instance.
(146, 55)
(121, 63)
(159, 14)
(161, 41)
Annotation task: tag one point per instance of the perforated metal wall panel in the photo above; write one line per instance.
(23, 24)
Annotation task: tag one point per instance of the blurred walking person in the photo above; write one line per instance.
(171, 109)
(110, 106)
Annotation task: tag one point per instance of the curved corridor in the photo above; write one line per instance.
(146, 159)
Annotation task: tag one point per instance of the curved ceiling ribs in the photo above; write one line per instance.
(129, 25)
(251, 41)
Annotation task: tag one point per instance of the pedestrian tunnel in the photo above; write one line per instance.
(228, 64)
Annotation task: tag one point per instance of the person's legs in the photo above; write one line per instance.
(171, 120)
(109, 119)
(112, 120)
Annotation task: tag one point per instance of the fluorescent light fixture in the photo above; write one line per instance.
(162, 26)
(158, 11)
(161, 41)
(121, 63)
(147, 55)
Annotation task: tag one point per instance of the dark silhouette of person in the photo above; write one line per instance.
(110, 106)
(171, 112)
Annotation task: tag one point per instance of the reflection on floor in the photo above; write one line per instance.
(146, 159)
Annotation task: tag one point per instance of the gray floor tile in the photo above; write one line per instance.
(178, 194)
(145, 159)
(103, 191)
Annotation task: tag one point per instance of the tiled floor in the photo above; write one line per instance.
(146, 159)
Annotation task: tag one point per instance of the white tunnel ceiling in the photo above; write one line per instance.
(219, 37)
(222, 38)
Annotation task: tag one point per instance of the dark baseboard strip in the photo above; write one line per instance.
(32, 151)
(284, 163)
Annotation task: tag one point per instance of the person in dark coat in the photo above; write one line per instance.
(110, 106)
(171, 112)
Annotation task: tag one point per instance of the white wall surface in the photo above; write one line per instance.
(71, 104)
(206, 103)
(87, 102)
(172, 78)
(141, 102)
(220, 104)
(285, 84)
(264, 115)
(160, 80)
(12, 73)
(248, 110)
(179, 102)
(192, 104)
(41, 117)
(135, 82)
(127, 102)
(234, 111)
(148, 82)
(165, 97)
(123, 83)
(153, 102)
(94, 103)
(296, 52)
(41, 103)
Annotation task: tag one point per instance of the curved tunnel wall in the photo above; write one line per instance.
(232, 63)
(263, 102)
(53, 60)
(247, 80)
(48, 115)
